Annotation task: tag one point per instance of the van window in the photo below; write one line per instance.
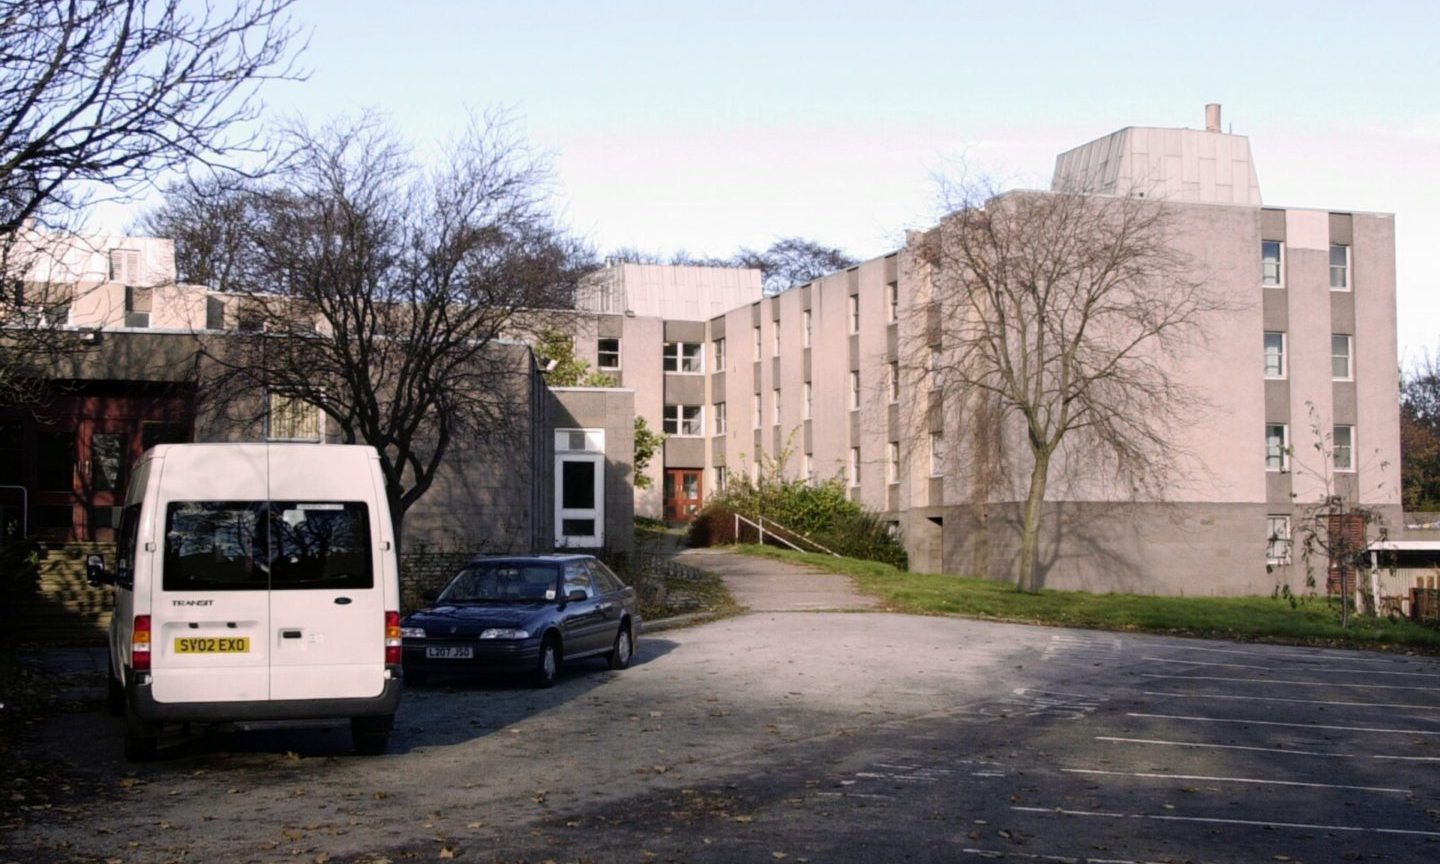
(258, 546)
(125, 545)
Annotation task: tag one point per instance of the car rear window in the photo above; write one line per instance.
(263, 545)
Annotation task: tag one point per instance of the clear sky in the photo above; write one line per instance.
(705, 126)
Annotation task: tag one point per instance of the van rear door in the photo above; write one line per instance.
(327, 603)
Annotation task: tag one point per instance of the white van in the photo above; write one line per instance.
(254, 582)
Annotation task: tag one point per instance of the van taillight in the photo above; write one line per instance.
(140, 644)
(392, 638)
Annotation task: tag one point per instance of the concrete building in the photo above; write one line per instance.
(824, 375)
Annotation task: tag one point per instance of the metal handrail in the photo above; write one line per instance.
(760, 527)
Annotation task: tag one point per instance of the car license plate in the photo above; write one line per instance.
(213, 645)
(449, 652)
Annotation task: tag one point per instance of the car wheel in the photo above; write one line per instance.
(416, 677)
(115, 697)
(547, 669)
(371, 735)
(620, 655)
(141, 740)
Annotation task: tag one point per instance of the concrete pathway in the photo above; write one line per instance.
(763, 585)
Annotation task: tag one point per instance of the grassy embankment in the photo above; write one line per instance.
(1314, 621)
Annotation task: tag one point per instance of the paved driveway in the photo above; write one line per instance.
(813, 736)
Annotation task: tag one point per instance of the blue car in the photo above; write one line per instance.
(524, 613)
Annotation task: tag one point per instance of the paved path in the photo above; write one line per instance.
(763, 585)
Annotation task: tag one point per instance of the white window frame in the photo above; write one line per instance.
(892, 453)
(125, 266)
(1346, 449)
(854, 467)
(759, 411)
(854, 389)
(720, 419)
(1349, 357)
(680, 423)
(682, 354)
(758, 343)
(775, 404)
(720, 354)
(600, 353)
(893, 373)
(1279, 265)
(1284, 454)
(722, 477)
(279, 402)
(892, 296)
(805, 319)
(809, 465)
(1278, 546)
(937, 454)
(1344, 269)
(775, 339)
(854, 305)
(1281, 374)
(808, 391)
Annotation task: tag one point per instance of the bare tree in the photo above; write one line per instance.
(792, 261)
(1050, 320)
(390, 291)
(210, 221)
(98, 98)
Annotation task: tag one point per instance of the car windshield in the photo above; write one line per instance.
(502, 583)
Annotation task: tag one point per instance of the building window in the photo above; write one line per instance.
(289, 418)
(683, 357)
(758, 410)
(892, 293)
(854, 313)
(1272, 254)
(854, 390)
(892, 461)
(1340, 365)
(1277, 539)
(607, 354)
(809, 467)
(805, 319)
(937, 454)
(138, 302)
(757, 343)
(722, 477)
(808, 404)
(720, 418)
(1339, 267)
(683, 420)
(125, 266)
(1274, 355)
(937, 368)
(854, 466)
(1344, 443)
(1277, 445)
(775, 339)
(893, 379)
(775, 402)
(720, 355)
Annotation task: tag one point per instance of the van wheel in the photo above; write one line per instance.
(115, 697)
(547, 669)
(141, 739)
(619, 656)
(416, 676)
(371, 735)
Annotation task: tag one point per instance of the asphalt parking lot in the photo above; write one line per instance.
(805, 736)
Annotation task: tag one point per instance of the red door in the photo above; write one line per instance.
(682, 494)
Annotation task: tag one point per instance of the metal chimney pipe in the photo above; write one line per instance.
(1212, 117)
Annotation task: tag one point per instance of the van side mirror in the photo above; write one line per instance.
(95, 572)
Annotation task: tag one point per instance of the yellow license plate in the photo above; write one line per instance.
(213, 645)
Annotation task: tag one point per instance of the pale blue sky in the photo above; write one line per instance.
(709, 125)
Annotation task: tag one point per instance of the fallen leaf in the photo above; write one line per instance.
(446, 852)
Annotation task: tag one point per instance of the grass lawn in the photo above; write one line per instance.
(1248, 618)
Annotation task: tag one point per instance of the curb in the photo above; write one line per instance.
(678, 621)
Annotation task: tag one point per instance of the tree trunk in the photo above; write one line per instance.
(1030, 538)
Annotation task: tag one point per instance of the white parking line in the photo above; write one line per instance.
(1212, 820)
(1382, 729)
(1251, 780)
(1281, 750)
(1291, 656)
(1283, 681)
(1267, 668)
(1061, 859)
(1172, 695)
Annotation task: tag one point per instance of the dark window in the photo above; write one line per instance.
(12, 452)
(214, 313)
(104, 517)
(608, 354)
(57, 461)
(577, 484)
(53, 517)
(605, 581)
(107, 462)
(254, 545)
(500, 581)
(153, 434)
(125, 544)
(577, 578)
(577, 527)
